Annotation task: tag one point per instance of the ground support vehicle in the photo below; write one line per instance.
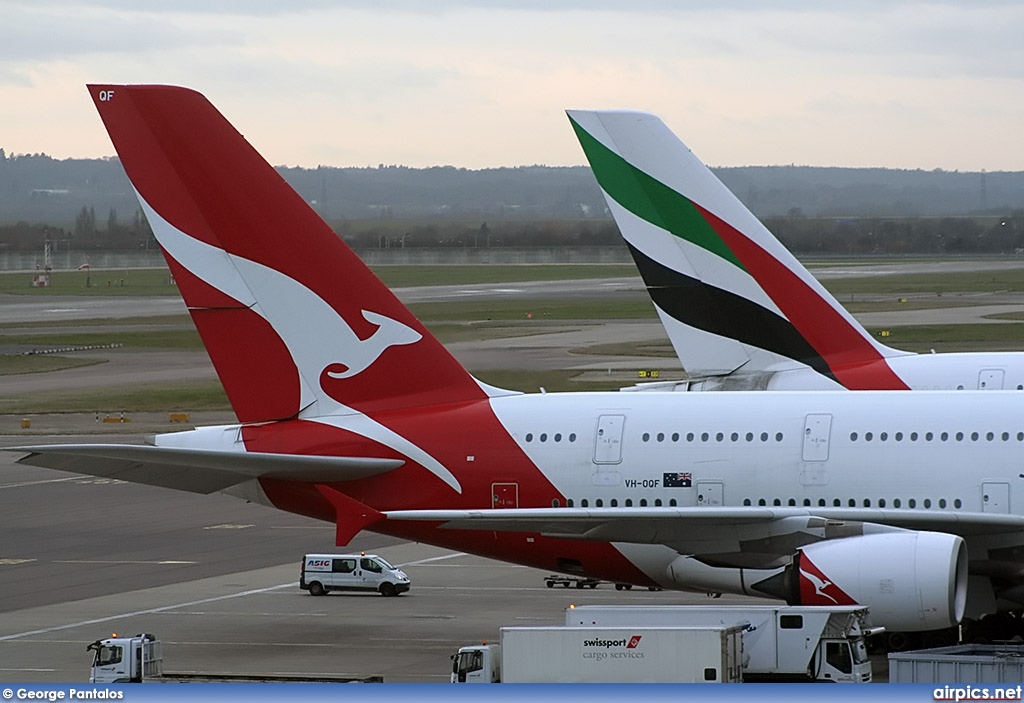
(605, 655)
(567, 581)
(780, 643)
(139, 659)
(322, 573)
(968, 663)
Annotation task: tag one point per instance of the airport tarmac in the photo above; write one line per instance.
(258, 622)
(214, 577)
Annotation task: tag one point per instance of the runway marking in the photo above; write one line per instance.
(169, 562)
(37, 483)
(12, 561)
(166, 608)
(228, 527)
(148, 611)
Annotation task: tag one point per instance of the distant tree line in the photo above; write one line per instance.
(86, 235)
(914, 235)
(802, 235)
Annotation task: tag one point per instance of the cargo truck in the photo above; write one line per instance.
(139, 659)
(780, 643)
(604, 655)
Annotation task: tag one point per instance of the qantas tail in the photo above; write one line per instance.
(731, 297)
(295, 323)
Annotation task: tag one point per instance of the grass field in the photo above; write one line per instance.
(455, 321)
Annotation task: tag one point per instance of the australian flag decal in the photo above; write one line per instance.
(678, 480)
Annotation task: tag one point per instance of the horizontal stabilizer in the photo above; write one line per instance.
(198, 471)
(351, 516)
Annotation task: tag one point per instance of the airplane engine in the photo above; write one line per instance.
(912, 581)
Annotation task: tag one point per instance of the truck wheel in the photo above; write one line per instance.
(579, 584)
(549, 584)
(388, 589)
(317, 589)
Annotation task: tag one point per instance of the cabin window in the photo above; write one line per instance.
(898, 436)
(853, 436)
(675, 436)
(613, 503)
(913, 436)
(957, 504)
(558, 436)
(868, 436)
(959, 436)
(944, 436)
(584, 503)
(928, 436)
(598, 503)
(778, 436)
(912, 503)
(661, 436)
(719, 437)
(927, 502)
(629, 502)
(881, 502)
(646, 436)
(554, 503)
(942, 503)
(750, 436)
(764, 436)
(529, 436)
(643, 502)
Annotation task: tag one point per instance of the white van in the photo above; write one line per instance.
(322, 573)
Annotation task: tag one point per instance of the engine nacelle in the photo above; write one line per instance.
(912, 581)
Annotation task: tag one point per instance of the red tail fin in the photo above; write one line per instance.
(293, 320)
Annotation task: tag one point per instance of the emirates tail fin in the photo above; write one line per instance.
(732, 298)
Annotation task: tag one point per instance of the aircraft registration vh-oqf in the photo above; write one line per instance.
(351, 412)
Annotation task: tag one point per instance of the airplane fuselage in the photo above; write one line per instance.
(839, 455)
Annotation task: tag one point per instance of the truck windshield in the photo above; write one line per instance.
(107, 655)
(384, 563)
(470, 661)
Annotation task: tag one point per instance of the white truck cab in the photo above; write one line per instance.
(323, 573)
(126, 659)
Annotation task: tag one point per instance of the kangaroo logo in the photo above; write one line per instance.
(817, 589)
(361, 353)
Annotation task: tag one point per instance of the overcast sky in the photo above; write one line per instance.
(477, 84)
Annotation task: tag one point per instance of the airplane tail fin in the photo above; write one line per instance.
(730, 295)
(295, 323)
